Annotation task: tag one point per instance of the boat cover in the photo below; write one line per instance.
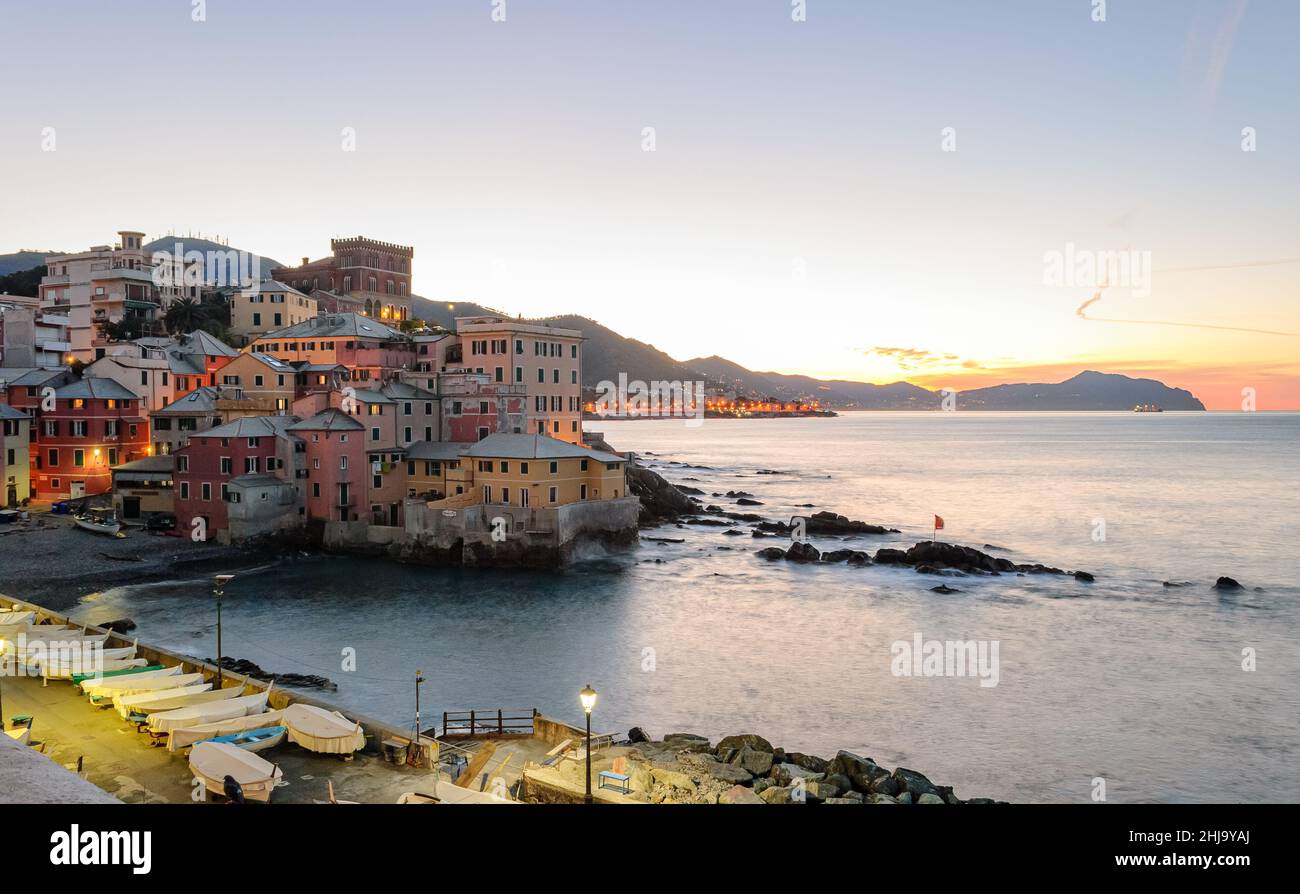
(326, 732)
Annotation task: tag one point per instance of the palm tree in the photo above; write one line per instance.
(184, 315)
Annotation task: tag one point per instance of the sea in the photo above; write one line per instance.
(1144, 685)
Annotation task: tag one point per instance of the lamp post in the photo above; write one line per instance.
(588, 698)
(219, 589)
(419, 680)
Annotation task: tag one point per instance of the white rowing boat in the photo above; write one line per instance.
(212, 762)
(322, 731)
(211, 711)
(171, 699)
(185, 736)
(69, 669)
(145, 681)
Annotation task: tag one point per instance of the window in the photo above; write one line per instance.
(78, 457)
(555, 467)
(206, 488)
(377, 482)
(541, 375)
(78, 428)
(573, 377)
(185, 490)
(315, 489)
(582, 492)
(343, 462)
(505, 495)
(53, 458)
(374, 433)
(406, 434)
(583, 464)
(182, 463)
(523, 496)
(553, 492)
(555, 376)
(487, 493)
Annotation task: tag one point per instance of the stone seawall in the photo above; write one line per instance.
(498, 536)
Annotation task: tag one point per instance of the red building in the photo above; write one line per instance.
(363, 275)
(214, 460)
(92, 425)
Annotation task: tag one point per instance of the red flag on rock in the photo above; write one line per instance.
(938, 523)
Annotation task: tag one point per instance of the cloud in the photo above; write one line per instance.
(911, 358)
(1212, 61)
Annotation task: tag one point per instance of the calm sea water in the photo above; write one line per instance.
(1124, 679)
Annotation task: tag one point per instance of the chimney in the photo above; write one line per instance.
(306, 261)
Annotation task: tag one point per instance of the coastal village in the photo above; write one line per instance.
(329, 417)
(333, 416)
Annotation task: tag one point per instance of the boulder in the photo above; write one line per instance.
(1226, 583)
(784, 774)
(944, 588)
(860, 770)
(738, 794)
(659, 499)
(636, 735)
(728, 773)
(830, 523)
(885, 785)
(802, 552)
(771, 553)
(752, 760)
(930, 799)
(673, 778)
(1084, 576)
(880, 799)
(121, 625)
(841, 782)
(904, 798)
(820, 791)
(890, 557)
(914, 782)
(758, 743)
(857, 800)
(810, 762)
(746, 501)
(777, 794)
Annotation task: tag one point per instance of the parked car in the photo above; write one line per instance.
(163, 521)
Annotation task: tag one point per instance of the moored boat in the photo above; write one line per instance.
(212, 762)
(252, 739)
(100, 521)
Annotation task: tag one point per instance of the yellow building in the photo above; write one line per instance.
(539, 471)
(269, 306)
(15, 468)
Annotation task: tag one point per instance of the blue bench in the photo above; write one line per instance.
(620, 780)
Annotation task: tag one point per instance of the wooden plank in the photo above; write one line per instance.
(476, 765)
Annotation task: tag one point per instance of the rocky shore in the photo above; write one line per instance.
(684, 768)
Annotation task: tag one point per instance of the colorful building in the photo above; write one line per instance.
(217, 467)
(371, 276)
(92, 425)
(15, 457)
(373, 351)
(266, 307)
(202, 409)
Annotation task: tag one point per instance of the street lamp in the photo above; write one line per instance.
(588, 698)
(219, 589)
(419, 680)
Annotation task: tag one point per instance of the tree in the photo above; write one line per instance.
(184, 315)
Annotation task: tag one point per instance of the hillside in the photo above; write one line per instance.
(22, 260)
(605, 354)
(1089, 390)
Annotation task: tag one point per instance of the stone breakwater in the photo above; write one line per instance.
(684, 768)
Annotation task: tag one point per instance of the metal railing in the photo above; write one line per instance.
(490, 722)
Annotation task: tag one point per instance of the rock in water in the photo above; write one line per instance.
(944, 588)
(1227, 583)
(803, 552)
(636, 735)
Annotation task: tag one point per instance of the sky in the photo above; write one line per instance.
(879, 191)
